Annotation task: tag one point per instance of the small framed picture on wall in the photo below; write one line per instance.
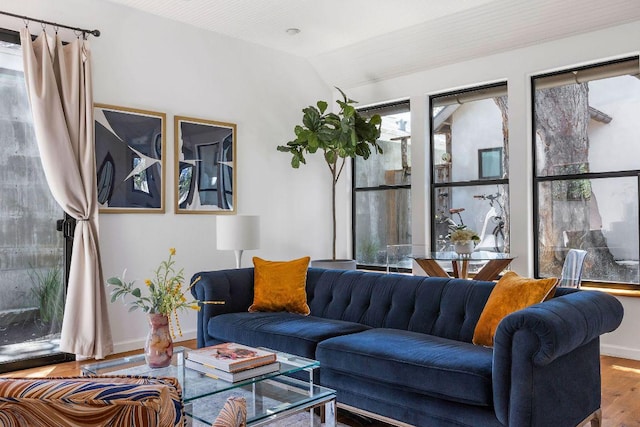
(130, 165)
(205, 166)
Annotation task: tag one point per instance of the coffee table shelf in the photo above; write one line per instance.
(269, 397)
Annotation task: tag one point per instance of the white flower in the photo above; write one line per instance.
(463, 235)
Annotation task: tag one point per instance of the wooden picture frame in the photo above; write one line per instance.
(130, 159)
(205, 167)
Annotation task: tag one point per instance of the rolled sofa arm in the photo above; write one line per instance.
(219, 292)
(548, 356)
(561, 324)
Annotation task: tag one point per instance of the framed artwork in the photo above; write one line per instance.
(490, 163)
(130, 153)
(205, 166)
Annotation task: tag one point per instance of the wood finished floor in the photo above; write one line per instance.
(620, 389)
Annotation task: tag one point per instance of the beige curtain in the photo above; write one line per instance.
(60, 91)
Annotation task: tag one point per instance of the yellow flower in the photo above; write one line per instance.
(165, 290)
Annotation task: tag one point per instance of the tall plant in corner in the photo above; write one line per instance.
(338, 136)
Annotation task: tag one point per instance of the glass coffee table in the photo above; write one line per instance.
(269, 397)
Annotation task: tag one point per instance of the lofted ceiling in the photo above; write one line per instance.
(379, 39)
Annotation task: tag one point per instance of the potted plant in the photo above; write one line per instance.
(165, 296)
(338, 136)
(463, 239)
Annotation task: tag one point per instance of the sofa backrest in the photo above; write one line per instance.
(448, 308)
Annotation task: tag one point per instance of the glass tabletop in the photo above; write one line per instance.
(267, 395)
(454, 256)
(194, 384)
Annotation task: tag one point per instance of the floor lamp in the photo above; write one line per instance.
(237, 233)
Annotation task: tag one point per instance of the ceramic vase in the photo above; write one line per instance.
(464, 248)
(158, 349)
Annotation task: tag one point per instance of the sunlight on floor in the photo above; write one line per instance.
(626, 369)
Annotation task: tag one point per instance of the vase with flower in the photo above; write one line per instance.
(463, 239)
(164, 297)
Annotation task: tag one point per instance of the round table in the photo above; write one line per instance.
(495, 263)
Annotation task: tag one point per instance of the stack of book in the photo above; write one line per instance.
(232, 362)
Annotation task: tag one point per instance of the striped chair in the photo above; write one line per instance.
(91, 402)
(233, 413)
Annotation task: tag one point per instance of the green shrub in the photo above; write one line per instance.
(49, 292)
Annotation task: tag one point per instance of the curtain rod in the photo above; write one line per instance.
(95, 33)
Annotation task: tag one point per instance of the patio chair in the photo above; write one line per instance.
(571, 275)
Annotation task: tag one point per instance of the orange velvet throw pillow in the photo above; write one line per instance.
(280, 285)
(511, 293)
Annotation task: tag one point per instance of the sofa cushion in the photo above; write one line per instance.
(280, 285)
(511, 293)
(434, 366)
(282, 331)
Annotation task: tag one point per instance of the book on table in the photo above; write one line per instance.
(231, 357)
(232, 377)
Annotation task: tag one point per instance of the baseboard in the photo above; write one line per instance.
(138, 344)
(619, 351)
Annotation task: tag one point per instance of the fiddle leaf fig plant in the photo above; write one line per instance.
(341, 135)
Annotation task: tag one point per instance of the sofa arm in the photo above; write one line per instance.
(561, 324)
(548, 356)
(224, 291)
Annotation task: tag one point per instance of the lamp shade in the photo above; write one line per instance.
(237, 232)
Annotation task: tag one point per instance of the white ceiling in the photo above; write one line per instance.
(325, 25)
(394, 37)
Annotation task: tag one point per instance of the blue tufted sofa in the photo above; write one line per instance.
(400, 346)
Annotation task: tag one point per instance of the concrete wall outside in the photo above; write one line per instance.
(28, 212)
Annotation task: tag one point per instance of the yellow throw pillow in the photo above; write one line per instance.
(280, 286)
(511, 293)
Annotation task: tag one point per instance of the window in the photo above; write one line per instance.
(466, 190)
(382, 189)
(490, 163)
(33, 269)
(587, 170)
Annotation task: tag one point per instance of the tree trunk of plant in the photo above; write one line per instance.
(333, 212)
(334, 181)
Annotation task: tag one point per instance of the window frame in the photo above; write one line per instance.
(481, 162)
(536, 180)
(485, 90)
(66, 226)
(355, 189)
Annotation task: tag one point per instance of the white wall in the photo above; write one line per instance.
(516, 67)
(151, 63)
